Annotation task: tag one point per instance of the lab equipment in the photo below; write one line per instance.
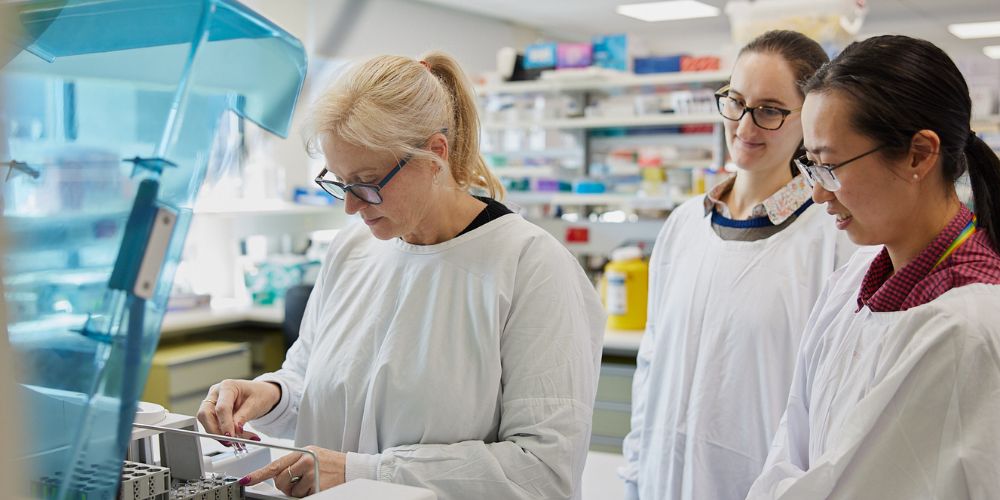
(123, 98)
(141, 482)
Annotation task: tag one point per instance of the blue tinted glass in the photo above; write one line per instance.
(98, 83)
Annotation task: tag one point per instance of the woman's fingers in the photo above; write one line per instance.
(303, 469)
(277, 470)
(207, 411)
(224, 406)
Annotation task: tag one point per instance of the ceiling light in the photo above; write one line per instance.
(993, 51)
(975, 30)
(667, 11)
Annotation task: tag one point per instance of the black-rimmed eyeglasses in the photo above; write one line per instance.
(368, 193)
(765, 117)
(822, 173)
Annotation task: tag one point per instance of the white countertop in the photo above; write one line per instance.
(624, 341)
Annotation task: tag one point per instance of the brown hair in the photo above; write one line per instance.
(802, 53)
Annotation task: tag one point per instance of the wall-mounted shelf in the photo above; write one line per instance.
(644, 110)
(605, 83)
(989, 123)
(524, 171)
(634, 201)
(664, 120)
(264, 207)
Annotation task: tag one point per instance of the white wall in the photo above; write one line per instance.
(403, 27)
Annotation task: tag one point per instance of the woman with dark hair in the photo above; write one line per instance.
(733, 277)
(897, 389)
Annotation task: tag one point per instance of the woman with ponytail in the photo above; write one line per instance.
(897, 388)
(448, 343)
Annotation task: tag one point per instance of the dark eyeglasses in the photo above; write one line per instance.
(368, 193)
(822, 173)
(765, 117)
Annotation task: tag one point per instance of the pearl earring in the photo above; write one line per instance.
(916, 177)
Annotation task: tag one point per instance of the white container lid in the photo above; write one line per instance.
(626, 253)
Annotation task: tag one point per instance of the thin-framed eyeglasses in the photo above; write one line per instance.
(822, 173)
(366, 192)
(765, 117)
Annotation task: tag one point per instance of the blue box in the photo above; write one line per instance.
(657, 64)
(540, 55)
(583, 186)
(312, 196)
(611, 51)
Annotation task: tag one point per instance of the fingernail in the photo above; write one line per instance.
(239, 427)
(245, 480)
(228, 435)
(255, 438)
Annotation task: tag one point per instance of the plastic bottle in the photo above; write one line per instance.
(626, 285)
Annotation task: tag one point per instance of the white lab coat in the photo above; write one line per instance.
(717, 357)
(892, 405)
(467, 367)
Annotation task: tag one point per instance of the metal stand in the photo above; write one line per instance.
(217, 437)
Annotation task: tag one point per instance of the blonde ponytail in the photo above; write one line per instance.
(468, 166)
(393, 103)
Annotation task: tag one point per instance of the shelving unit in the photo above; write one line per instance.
(634, 201)
(604, 83)
(542, 206)
(986, 123)
(663, 120)
(269, 217)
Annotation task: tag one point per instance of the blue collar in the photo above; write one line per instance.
(756, 222)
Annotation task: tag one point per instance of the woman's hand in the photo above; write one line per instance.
(230, 404)
(293, 473)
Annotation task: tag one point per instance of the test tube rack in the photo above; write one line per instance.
(143, 482)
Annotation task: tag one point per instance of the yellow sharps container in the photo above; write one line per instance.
(626, 285)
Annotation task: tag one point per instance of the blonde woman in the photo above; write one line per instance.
(448, 343)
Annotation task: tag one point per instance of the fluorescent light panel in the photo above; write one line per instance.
(667, 11)
(992, 51)
(966, 31)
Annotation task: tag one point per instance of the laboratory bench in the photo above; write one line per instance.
(618, 342)
(200, 347)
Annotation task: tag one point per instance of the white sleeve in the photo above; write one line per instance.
(550, 352)
(926, 430)
(281, 421)
(632, 445)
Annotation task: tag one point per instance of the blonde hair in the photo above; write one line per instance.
(394, 103)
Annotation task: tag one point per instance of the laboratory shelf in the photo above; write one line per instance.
(623, 340)
(553, 153)
(633, 201)
(658, 120)
(265, 207)
(604, 82)
(986, 123)
(524, 171)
